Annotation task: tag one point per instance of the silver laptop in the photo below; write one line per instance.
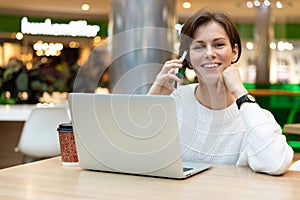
(131, 134)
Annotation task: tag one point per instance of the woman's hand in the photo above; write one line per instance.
(164, 82)
(233, 81)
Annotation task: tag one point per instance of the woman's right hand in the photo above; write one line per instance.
(164, 82)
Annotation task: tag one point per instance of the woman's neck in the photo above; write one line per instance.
(214, 97)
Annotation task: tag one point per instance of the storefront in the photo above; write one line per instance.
(43, 55)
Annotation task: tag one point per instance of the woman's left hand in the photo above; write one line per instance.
(233, 81)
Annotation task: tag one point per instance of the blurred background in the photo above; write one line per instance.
(49, 48)
(47, 61)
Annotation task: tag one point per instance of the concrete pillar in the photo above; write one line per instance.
(262, 38)
(142, 38)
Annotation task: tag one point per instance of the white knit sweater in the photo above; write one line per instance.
(246, 137)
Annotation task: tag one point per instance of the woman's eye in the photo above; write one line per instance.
(198, 47)
(219, 45)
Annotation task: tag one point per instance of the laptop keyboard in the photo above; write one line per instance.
(187, 169)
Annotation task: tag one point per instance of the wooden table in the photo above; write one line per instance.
(273, 92)
(47, 179)
(15, 112)
(292, 128)
(21, 112)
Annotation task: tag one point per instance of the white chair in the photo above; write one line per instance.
(39, 138)
(295, 166)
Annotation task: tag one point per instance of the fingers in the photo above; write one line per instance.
(164, 82)
(171, 64)
(169, 70)
(231, 74)
(170, 77)
(232, 79)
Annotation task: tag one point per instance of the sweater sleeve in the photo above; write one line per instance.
(267, 150)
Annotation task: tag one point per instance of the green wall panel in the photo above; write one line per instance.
(281, 31)
(9, 24)
(246, 31)
(288, 31)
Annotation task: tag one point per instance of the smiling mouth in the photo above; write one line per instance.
(210, 65)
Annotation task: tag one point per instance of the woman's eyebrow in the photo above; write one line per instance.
(201, 41)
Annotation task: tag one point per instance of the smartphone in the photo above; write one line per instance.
(181, 71)
(185, 65)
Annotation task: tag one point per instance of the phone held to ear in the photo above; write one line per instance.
(181, 71)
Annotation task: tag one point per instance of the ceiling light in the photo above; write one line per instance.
(256, 3)
(249, 4)
(186, 5)
(85, 7)
(267, 2)
(279, 4)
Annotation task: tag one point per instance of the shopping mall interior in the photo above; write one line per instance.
(38, 62)
(77, 120)
(68, 51)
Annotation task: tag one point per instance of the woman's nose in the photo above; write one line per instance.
(209, 52)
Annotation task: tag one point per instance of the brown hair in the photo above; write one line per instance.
(203, 16)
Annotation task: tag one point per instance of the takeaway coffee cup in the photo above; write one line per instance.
(67, 145)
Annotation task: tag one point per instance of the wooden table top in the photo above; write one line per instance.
(273, 92)
(292, 128)
(15, 112)
(21, 112)
(47, 179)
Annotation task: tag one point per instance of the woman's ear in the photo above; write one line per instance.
(235, 52)
(233, 60)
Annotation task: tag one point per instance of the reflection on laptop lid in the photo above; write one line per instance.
(132, 134)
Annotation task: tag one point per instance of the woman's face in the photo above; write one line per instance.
(211, 52)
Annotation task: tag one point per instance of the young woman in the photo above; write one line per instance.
(219, 121)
